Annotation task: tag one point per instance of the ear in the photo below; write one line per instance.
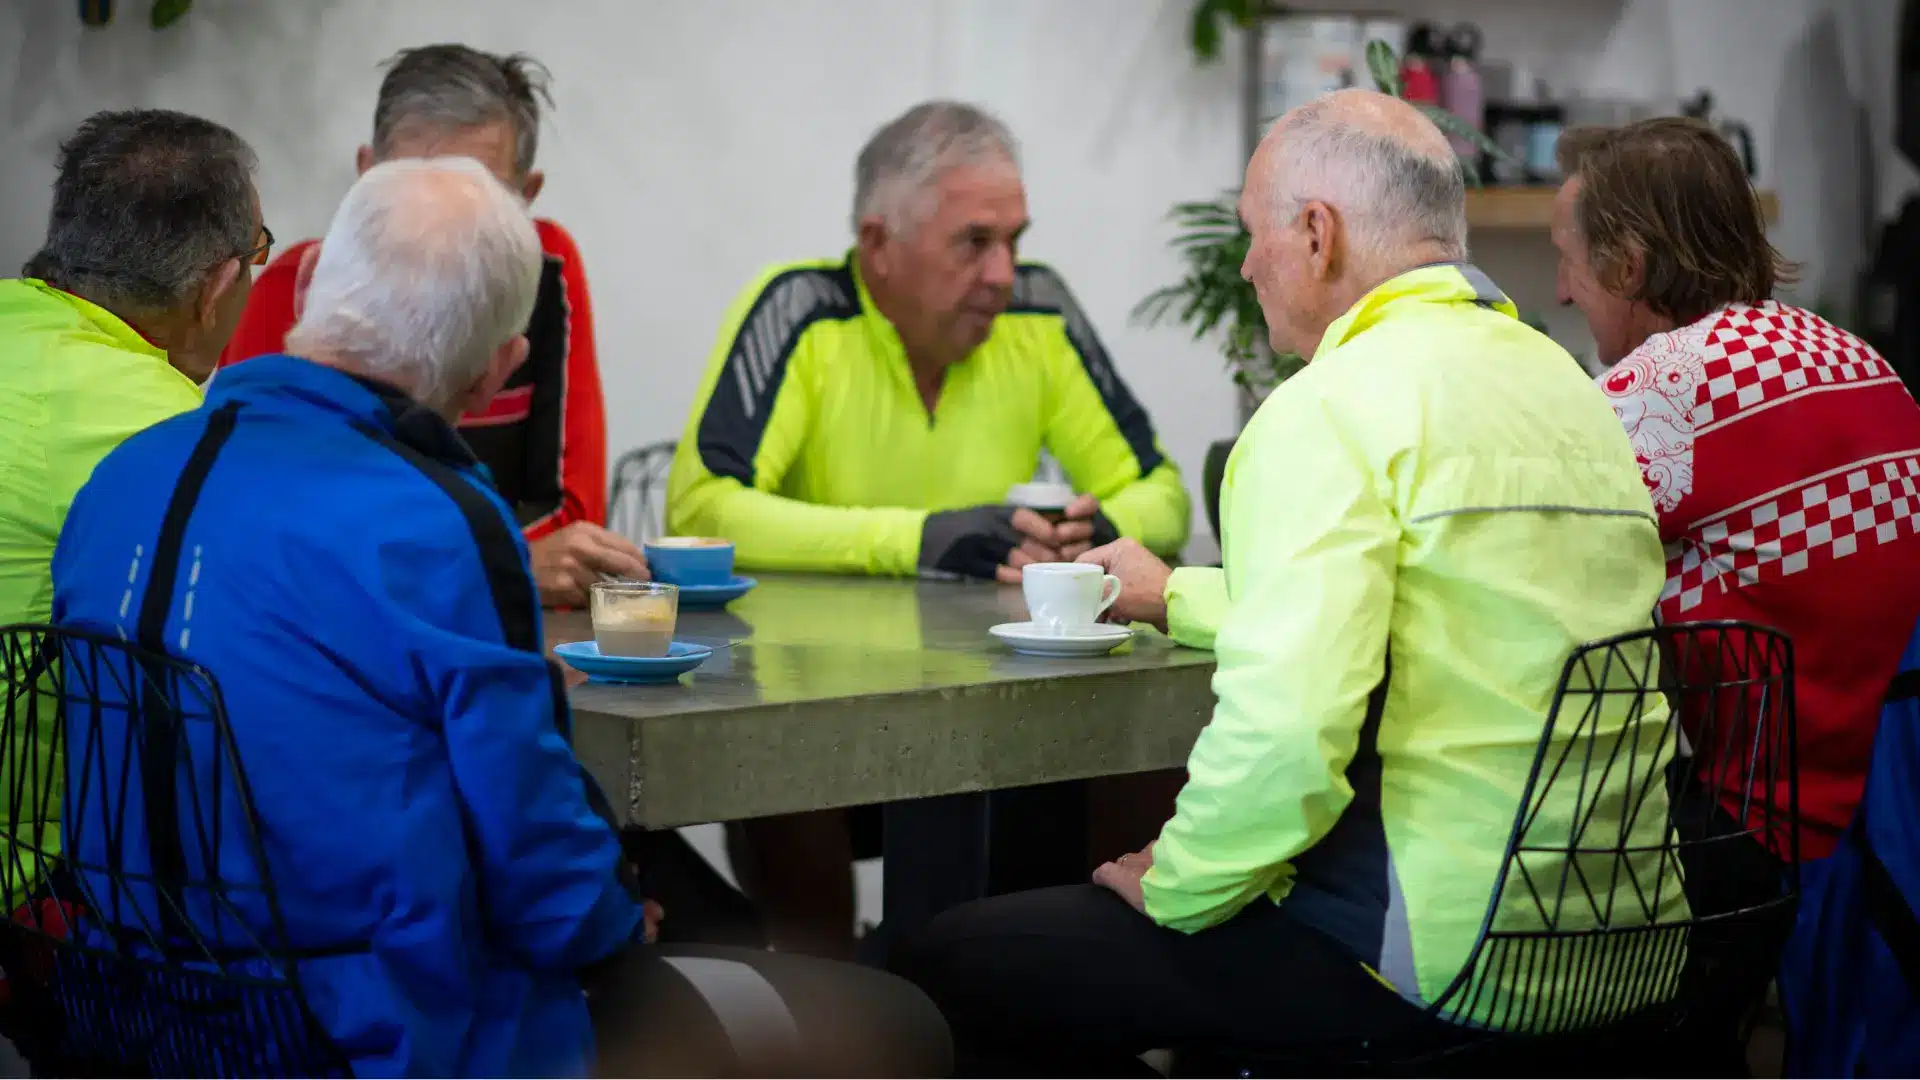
(363, 160)
(1322, 225)
(303, 278)
(506, 360)
(1629, 273)
(214, 288)
(530, 190)
(871, 239)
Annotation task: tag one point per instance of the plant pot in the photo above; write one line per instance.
(1211, 474)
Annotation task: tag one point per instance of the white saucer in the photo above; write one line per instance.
(1096, 640)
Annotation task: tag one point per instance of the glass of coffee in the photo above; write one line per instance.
(634, 618)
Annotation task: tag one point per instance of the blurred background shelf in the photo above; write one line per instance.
(1532, 207)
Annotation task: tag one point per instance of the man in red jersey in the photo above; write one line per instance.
(1782, 452)
(543, 438)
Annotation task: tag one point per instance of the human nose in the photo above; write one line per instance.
(998, 269)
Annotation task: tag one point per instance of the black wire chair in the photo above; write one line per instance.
(1611, 945)
(151, 942)
(637, 504)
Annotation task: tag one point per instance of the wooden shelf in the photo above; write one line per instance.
(1532, 207)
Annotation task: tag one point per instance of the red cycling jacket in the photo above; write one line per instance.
(544, 436)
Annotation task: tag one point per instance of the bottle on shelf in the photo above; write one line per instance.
(1417, 79)
(1460, 90)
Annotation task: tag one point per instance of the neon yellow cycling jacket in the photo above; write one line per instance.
(75, 382)
(809, 446)
(1442, 495)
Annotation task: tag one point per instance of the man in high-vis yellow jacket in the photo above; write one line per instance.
(868, 414)
(1418, 529)
(118, 319)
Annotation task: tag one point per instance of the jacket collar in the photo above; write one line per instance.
(360, 401)
(116, 329)
(1434, 283)
(885, 336)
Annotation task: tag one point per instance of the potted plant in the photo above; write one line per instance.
(1211, 299)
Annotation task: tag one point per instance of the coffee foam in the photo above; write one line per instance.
(687, 542)
(635, 612)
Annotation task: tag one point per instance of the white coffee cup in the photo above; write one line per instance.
(1063, 597)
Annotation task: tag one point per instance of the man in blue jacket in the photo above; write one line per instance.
(341, 564)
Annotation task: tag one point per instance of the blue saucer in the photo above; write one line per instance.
(713, 596)
(584, 657)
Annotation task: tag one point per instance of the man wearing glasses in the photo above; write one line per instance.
(119, 318)
(112, 326)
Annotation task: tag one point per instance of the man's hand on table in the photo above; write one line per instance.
(568, 561)
(1143, 582)
(985, 542)
(1082, 528)
(997, 541)
(1122, 876)
(650, 915)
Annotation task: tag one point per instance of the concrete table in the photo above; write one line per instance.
(829, 692)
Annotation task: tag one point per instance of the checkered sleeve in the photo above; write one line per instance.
(1826, 518)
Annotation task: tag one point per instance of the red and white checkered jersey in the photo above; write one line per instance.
(1783, 455)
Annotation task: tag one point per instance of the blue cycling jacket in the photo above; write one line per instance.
(363, 599)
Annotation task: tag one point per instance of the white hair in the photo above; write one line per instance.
(896, 170)
(1391, 195)
(429, 266)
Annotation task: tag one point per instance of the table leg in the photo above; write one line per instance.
(1036, 837)
(935, 857)
(945, 851)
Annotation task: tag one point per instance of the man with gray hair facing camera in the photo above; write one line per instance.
(363, 596)
(870, 414)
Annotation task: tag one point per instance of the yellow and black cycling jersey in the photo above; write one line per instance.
(810, 448)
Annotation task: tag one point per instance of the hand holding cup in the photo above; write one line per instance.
(1143, 582)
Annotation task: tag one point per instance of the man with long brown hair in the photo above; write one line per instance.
(1782, 452)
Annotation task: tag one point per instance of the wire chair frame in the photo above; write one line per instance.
(637, 503)
(148, 951)
(1588, 925)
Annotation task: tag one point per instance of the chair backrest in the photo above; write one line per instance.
(154, 943)
(1590, 922)
(637, 505)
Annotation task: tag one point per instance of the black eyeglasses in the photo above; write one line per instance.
(258, 255)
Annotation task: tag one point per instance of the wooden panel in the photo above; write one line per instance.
(1532, 207)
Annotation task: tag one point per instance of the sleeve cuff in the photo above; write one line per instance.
(1196, 602)
(614, 922)
(1124, 520)
(1170, 906)
(902, 542)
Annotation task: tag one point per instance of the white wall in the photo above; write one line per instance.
(694, 142)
